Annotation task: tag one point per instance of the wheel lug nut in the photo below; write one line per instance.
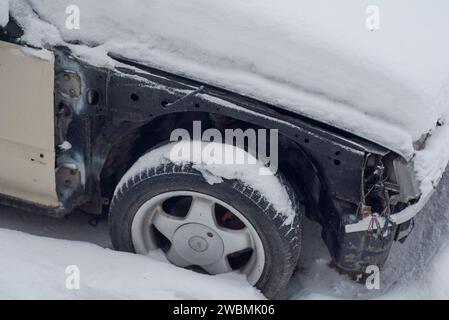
(210, 235)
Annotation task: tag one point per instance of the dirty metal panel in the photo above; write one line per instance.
(27, 155)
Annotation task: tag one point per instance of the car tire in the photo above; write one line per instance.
(280, 242)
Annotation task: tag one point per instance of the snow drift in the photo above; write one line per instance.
(35, 268)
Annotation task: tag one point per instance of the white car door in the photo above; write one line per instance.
(27, 152)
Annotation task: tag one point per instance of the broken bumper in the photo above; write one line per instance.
(431, 162)
(397, 218)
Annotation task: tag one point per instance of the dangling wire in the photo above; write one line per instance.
(374, 222)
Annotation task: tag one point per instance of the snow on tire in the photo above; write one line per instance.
(228, 227)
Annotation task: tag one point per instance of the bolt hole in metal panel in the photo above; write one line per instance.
(27, 155)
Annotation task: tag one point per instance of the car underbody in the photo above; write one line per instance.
(109, 118)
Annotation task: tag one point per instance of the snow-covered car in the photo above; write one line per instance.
(86, 117)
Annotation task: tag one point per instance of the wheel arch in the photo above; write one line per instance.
(135, 101)
(294, 162)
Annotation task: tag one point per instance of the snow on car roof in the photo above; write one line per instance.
(317, 58)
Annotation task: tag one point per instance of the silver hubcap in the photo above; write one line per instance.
(203, 246)
(208, 233)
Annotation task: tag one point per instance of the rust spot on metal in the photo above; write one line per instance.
(365, 211)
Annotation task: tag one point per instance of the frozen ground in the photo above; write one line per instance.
(34, 267)
(34, 256)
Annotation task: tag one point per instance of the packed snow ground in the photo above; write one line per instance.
(35, 268)
(36, 250)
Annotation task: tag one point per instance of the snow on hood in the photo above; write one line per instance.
(4, 17)
(315, 58)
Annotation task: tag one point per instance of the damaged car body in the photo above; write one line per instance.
(362, 194)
